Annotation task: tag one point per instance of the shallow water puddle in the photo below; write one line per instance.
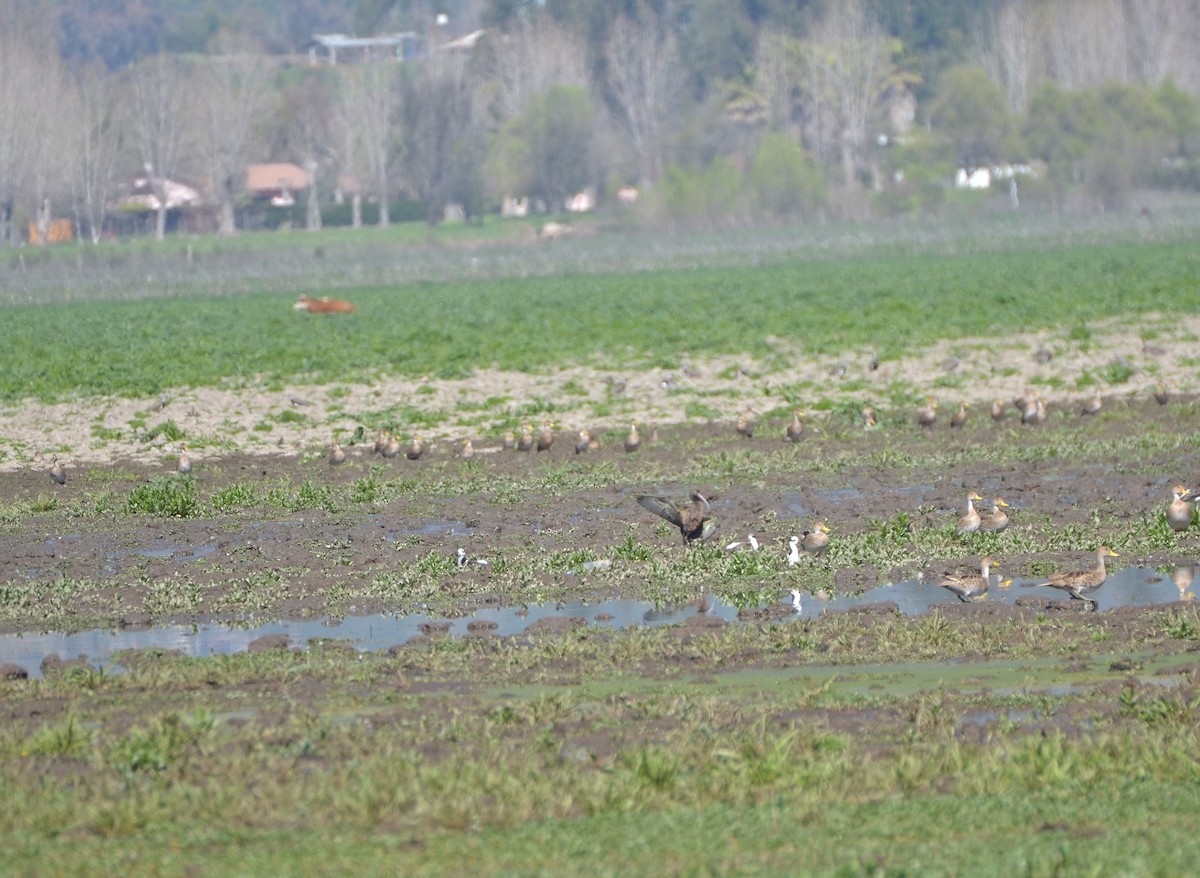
(1132, 587)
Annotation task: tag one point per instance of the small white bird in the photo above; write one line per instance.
(796, 602)
(751, 542)
(793, 557)
(462, 560)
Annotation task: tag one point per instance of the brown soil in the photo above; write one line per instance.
(128, 557)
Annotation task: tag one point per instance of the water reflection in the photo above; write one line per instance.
(1132, 587)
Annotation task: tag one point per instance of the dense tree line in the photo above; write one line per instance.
(719, 111)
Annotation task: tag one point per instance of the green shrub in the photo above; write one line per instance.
(173, 496)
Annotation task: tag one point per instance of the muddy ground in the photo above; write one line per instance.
(362, 557)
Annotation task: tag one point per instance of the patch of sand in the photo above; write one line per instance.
(305, 418)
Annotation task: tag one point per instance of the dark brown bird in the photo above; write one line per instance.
(415, 448)
(1160, 395)
(57, 472)
(391, 447)
(692, 521)
(997, 410)
(337, 455)
(745, 425)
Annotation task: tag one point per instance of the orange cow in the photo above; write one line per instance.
(323, 305)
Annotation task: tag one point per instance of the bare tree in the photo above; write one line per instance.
(232, 92)
(779, 76)
(647, 80)
(1085, 43)
(160, 109)
(308, 108)
(96, 148)
(848, 73)
(444, 142)
(527, 61)
(1012, 51)
(1162, 37)
(28, 58)
(368, 113)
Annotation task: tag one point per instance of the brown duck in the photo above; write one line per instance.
(996, 520)
(745, 425)
(183, 465)
(525, 443)
(927, 414)
(795, 430)
(970, 522)
(583, 442)
(960, 417)
(970, 587)
(415, 448)
(692, 521)
(391, 447)
(633, 441)
(1077, 582)
(546, 437)
(57, 472)
(1179, 510)
(337, 455)
(815, 541)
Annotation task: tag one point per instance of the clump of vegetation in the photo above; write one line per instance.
(173, 496)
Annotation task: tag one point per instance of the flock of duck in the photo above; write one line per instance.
(696, 524)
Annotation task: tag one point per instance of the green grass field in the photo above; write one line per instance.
(1055, 744)
(889, 303)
